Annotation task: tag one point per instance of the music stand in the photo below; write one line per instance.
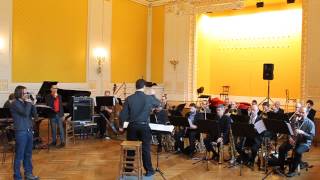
(157, 169)
(276, 127)
(106, 101)
(5, 113)
(240, 118)
(244, 130)
(46, 112)
(209, 127)
(179, 121)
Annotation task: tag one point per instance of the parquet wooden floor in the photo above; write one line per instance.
(94, 159)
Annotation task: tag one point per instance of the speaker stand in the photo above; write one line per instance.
(267, 99)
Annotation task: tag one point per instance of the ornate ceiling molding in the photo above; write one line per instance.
(191, 7)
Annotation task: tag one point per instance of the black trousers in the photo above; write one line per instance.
(179, 140)
(102, 126)
(209, 147)
(253, 143)
(141, 132)
(193, 136)
(298, 151)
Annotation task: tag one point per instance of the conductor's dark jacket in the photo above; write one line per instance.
(137, 108)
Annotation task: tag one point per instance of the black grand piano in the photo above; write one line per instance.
(67, 102)
(66, 95)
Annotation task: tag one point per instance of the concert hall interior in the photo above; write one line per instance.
(199, 89)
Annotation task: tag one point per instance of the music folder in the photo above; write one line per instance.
(155, 127)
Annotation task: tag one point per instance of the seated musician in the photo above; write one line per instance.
(164, 102)
(224, 122)
(253, 143)
(310, 111)
(9, 101)
(254, 102)
(205, 107)
(192, 132)
(101, 122)
(265, 110)
(232, 109)
(294, 114)
(277, 109)
(160, 116)
(304, 131)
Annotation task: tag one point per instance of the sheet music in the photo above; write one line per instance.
(290, 129)
(161, 127)
(43, 106)
(155, 127)
(260, 127)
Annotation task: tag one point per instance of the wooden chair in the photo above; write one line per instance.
(225, 92)
(7, 145)
(130, 165)
(69, 131)
(289, 100)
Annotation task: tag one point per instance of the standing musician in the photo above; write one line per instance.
(304, 131)
(252, 142)
(310, 111)
(224, 122)
(136, 111)
(22, 110)
(54, 100)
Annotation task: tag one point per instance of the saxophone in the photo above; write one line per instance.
(200, 147)
(232, 147)
(221, 155)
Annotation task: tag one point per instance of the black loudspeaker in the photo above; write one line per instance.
(82, 108)
(268, 71)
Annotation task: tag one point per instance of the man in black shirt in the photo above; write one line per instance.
(311, 113)
(136, 111)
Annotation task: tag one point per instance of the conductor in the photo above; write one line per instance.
(136, 111)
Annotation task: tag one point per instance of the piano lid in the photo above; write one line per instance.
(44, 91)
(66, 94)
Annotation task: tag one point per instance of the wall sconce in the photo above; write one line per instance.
(174, 62)
(100, 54)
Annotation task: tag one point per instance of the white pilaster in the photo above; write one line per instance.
(149, 44)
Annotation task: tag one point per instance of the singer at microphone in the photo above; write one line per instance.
(54, 100)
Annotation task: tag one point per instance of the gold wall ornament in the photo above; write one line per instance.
(174, 62)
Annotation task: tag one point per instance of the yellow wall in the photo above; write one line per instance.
(129, 41)
(233, 48)
(49, 40)
(157, 44)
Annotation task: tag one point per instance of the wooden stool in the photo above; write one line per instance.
(69, 132)
(133, 163)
